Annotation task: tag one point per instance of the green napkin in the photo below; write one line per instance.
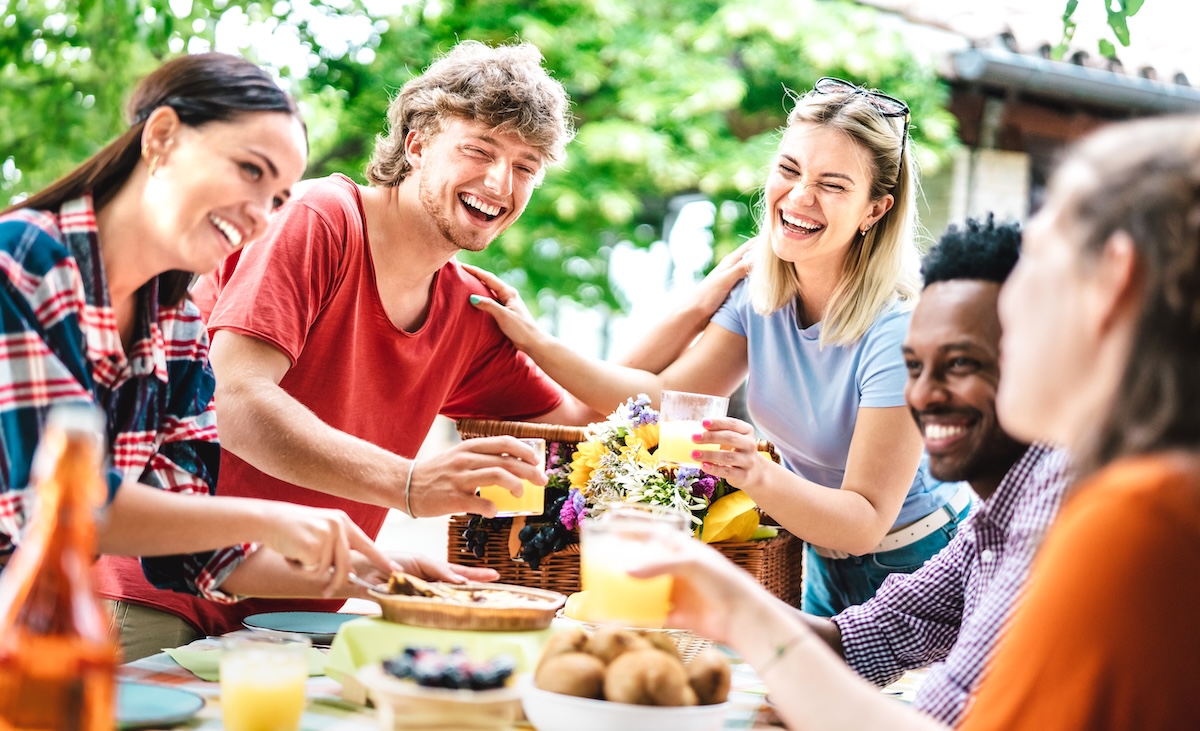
(205, 664)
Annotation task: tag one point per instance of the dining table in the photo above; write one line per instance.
(328, 709)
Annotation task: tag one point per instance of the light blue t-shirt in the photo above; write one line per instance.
(805, 399)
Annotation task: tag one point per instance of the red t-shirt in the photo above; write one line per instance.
(308, 288)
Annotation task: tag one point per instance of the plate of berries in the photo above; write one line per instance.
(426, 688)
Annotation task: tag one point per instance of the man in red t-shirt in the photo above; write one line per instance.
(343, 332)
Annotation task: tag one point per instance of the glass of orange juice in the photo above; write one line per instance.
(262, 680)
(622, 538)
(682, 415)
(533, 498)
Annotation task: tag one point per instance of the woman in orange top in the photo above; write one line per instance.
(1101, 352)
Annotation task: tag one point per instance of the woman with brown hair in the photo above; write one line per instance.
(94, 309)
(1101, 348)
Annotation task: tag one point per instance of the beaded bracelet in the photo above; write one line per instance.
(408, 489)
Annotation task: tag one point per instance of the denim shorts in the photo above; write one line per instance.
(834, 584)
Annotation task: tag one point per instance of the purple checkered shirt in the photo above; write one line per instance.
(953, 608)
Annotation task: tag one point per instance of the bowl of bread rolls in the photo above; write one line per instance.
(615, 678)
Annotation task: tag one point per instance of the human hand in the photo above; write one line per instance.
(710, 595)
(447, 483)
(508, 309)
(320, 541)
(733, 267)
(432, 569)
(738, 460)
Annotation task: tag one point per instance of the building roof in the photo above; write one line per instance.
(1162, 33)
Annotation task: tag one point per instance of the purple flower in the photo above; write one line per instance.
(705, 486)
(685, 476)
(637, 411)
(573, 510)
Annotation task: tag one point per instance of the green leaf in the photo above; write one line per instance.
(1107, 49)
(1116, 21)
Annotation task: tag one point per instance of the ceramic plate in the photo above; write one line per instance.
(320, 627)
(140, 705)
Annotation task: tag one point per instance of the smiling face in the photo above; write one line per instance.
(473, 182)
(213, 187)
(952, 353)
(818, 195)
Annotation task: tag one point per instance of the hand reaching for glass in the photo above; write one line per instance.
(447, 484)
(738, 460)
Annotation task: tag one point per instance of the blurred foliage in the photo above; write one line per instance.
(1117, 12)
(671, 98)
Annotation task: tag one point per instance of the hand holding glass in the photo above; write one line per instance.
(627, 536)
(262, 681)
(533, 497)
(681, 416)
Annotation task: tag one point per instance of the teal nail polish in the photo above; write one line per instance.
(476, 299)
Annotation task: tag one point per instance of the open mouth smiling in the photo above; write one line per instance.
(227, 229)
(480, 210)
(799, 225)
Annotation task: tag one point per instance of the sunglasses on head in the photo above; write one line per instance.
(888, 106)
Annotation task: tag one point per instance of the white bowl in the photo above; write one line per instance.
(557, 712)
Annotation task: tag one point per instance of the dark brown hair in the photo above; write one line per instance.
(1143, 178)
(201, 88)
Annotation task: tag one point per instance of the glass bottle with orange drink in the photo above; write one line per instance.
(57, 658)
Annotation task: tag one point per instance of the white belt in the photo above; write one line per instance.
(913, 532)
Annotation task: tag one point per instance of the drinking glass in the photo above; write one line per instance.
(679, 418)
(262, 680)
(532, 500)
(624, 537)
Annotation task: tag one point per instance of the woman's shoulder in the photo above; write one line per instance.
(33, 241)
(891, 322)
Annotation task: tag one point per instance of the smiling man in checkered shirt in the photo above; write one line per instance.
(952, 610)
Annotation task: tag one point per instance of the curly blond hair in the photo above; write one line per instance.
(503, 87)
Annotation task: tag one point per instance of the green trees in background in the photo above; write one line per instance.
(671, 98)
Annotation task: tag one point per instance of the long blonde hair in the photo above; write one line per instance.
(882, 265)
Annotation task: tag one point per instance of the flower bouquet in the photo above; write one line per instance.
(616, 462)
(591, 467)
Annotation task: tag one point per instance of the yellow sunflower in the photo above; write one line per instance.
(645, 435)
(584, 463)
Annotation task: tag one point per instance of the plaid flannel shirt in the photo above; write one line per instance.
(59, 343)
(954, 607)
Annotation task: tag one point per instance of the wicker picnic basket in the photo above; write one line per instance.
(775, 562)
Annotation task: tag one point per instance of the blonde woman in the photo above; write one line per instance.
(1101, 346)
(817, 328)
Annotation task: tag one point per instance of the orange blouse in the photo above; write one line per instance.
(1108, 634)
